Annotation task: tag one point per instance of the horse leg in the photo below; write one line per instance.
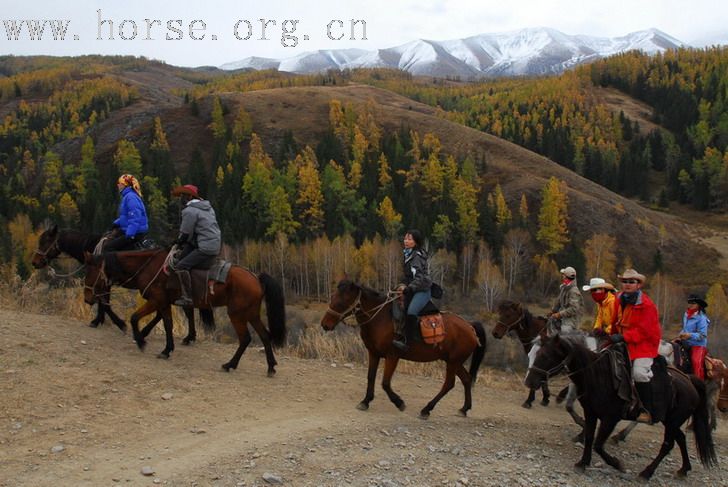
(467, 385)
(449, 384)
(667, 443)
(606, 426)
(265, 338)
(150, 326)
(562, 395)
(168, 331)
(147, 308)
(117, 321)
(100, 314)
(590, 426)
(191, 332)
(546, 394)
(570, 400)
(241, 328)
(686, 467)
(390, 364)
(371, 380)
(531, 396)
(622, 435)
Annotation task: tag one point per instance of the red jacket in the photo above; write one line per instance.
(640, 325)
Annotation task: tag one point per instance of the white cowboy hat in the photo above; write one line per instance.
(597, 283)
(568, 272)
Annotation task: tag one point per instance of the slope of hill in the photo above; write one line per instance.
(592, 208)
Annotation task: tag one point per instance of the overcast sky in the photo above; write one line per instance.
(388, 23)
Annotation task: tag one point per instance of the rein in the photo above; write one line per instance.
(356, 307)
(107, 282)
(564, 365)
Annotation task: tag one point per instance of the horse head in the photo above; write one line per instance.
(343, 303)
(510, 316)
(47, 248)
(550, 360)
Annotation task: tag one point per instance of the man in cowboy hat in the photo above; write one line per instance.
(566, 312)
(639, 327)
(602, 293)
(200, 235)
(694, 333)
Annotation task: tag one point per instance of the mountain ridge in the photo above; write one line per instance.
(525, 52)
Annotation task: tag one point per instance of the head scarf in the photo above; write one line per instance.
(130, 181)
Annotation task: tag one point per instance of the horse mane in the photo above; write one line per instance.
(366, 291)
(112, 264)
(75, 243)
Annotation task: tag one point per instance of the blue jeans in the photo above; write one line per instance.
(419, 300)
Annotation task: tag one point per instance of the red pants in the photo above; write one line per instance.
(697, 357)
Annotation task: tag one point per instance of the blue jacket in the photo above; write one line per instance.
(697, 326)
(132, 214)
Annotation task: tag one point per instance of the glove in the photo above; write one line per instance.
(617, 338)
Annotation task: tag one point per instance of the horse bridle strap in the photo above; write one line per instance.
(511, 326)
(342, 316)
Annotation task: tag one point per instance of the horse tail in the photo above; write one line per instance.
(479, 352)
(701, 426)
(275, 308)
(208, 319)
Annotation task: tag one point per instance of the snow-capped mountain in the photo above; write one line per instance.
(534, 51)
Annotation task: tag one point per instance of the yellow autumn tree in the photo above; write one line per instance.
(717, 305)
(553, 232)
(601, 260)
(391, 220)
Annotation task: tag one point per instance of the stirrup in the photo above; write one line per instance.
(400, 345)
(644, 417)
(183, 301)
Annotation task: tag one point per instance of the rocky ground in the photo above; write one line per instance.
(85, 407)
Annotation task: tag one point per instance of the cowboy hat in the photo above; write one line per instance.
(597, 283)
(632, 274)
(188, 189)
(568, 272)
(694, 298)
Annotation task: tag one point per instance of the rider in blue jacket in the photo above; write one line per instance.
(131, 226)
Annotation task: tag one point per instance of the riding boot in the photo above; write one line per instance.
(409, 334)
(644, 390)
(185, 283)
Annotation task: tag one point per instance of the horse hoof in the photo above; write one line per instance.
(463, 413)
(579, 467)
(362, 406)
(644, 476)
(163, 355)
(424, 414)
(141, 344)
(681, 474)
(188, 341)
(226, 367)
(526, 405)
(402, 406)
(271, 373)
(578, 438)
(545, 402)
(93, 324)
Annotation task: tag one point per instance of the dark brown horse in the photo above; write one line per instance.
(242, 293)
(592, 374)
(54, 242)
(514, 318)
(373, 313)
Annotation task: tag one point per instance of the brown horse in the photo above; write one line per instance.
(723, 392)
(242, 293)
(514, 318)
(373, 313)
(54, 242)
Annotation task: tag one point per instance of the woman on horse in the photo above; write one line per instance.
(694, 333)
(200, 235)
(131, 226)
(607, 310)
(417, 284)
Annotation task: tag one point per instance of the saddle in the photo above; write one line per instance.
(203, 280)
(684, 363)
(432, 326)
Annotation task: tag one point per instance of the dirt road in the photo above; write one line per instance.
(85, 407)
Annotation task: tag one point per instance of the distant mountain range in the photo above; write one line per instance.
(535, 51)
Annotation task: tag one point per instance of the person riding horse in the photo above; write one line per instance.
(639, 327)
(566, 312)
(132, 225)
(694, 333)
(200, 235)
(607, 310)
(417, 284)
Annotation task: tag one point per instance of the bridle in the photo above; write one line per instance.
(356, 307)
(517, 323)
(564, 365)
(53, 246)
